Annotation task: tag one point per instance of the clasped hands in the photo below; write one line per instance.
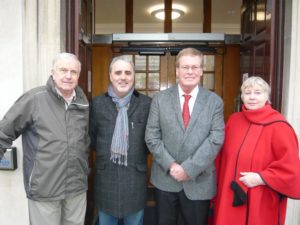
(251, 179)
(178, 173)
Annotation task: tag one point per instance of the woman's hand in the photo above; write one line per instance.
(251, 179)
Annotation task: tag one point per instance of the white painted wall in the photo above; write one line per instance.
(13, 203)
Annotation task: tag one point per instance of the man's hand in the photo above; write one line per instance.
(251, 179)
(178, 173)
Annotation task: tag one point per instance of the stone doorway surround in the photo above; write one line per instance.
(291, 86)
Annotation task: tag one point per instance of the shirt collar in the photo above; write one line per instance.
(193, 93)
(68, 100)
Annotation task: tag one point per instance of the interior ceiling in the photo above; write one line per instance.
(113, 11)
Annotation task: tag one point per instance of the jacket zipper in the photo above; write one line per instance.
(30, 177)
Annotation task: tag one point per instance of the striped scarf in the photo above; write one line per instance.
(120, 145)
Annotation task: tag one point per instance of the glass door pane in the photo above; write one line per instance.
(147, 73)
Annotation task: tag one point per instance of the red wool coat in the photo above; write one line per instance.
(257, 141)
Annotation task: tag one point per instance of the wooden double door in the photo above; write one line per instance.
(154, 73)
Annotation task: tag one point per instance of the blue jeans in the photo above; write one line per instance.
(132, 219)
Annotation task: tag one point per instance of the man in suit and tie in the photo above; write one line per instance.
(185, 131)
(117, 131)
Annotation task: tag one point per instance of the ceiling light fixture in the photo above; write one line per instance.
(159, 11)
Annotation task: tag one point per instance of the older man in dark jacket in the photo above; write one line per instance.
(117, 131)
(53, 121)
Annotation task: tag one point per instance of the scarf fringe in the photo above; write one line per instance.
(118, 159)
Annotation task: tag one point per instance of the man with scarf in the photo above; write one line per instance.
(117, 130)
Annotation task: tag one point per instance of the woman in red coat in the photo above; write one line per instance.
(258, 166)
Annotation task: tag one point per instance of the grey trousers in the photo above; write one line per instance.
(70, 211)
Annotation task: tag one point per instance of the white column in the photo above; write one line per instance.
(42, 40)
(291, 103)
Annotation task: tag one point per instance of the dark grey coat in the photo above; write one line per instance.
(120, 190)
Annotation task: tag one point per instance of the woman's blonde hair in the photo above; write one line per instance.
(253, 81)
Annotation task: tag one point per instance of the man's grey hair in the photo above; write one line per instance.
(64, 55)
(125, 58)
